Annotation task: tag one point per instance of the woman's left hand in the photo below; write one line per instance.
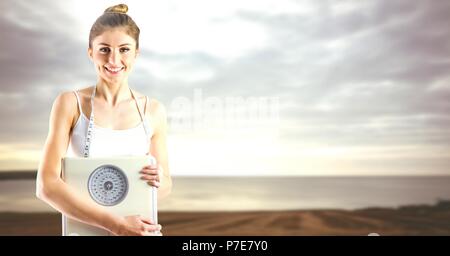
(151, 174)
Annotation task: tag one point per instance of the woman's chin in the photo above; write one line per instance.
(113, 79)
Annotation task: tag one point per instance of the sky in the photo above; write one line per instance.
(251, 87)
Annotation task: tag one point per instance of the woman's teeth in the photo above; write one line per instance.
(114, 70)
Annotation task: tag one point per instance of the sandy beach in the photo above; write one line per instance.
(410, 220)
(413, 219)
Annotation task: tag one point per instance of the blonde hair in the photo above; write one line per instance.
(114, 17)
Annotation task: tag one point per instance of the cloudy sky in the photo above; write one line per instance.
(313, 87)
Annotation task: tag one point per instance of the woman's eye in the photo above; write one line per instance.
(104, 49)
(124, 49)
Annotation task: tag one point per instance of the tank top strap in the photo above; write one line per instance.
(142, 115)
(147, 100)
(78, 102)
(146, 120)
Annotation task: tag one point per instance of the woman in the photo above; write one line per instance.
(123, 117)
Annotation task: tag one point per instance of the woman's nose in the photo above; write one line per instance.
(114, 57)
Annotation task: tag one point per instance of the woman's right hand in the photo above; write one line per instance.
(136, 225)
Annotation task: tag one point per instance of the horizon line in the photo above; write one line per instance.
(31, 174)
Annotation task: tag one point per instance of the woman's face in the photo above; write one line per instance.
(113, 53)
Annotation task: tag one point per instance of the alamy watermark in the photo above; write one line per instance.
(258, 114)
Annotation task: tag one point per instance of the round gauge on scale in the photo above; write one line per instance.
(108, 185)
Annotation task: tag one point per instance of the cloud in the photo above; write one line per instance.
(39, 62)
(348, 74)
(373, 64)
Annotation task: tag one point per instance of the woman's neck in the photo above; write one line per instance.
(113, 93)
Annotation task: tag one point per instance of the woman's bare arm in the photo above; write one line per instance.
(49, 185)
(158, 147)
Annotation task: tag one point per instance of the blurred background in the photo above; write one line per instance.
(273, 106)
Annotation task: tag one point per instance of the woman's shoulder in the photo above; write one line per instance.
(153, 106)
(65, 99)
(155, 111)
(85, 92)
(65, 103)
(65, 106)
(69, 97)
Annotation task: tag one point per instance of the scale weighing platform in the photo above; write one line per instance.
(113, 183)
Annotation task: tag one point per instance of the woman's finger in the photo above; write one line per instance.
(152, 228)
(149, 171)
(153, 166)
(149, 174)
(154, 183)
(150, 177)
(146, 220)
(154, 233)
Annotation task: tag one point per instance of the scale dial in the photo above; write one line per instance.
(108, 185)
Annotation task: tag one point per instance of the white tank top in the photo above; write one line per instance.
(108, 142)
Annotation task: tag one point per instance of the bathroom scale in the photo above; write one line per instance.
(113, 183)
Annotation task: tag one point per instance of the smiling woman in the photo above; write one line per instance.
(114, 26)
(113, 62)
(126, 123)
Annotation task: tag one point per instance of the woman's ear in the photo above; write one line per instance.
(90, 52)
(137, 53)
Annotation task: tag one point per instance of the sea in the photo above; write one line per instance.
(267, 193)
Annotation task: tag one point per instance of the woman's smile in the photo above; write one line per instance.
(113, 70)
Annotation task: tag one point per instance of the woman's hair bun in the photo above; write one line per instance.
(120, 8)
